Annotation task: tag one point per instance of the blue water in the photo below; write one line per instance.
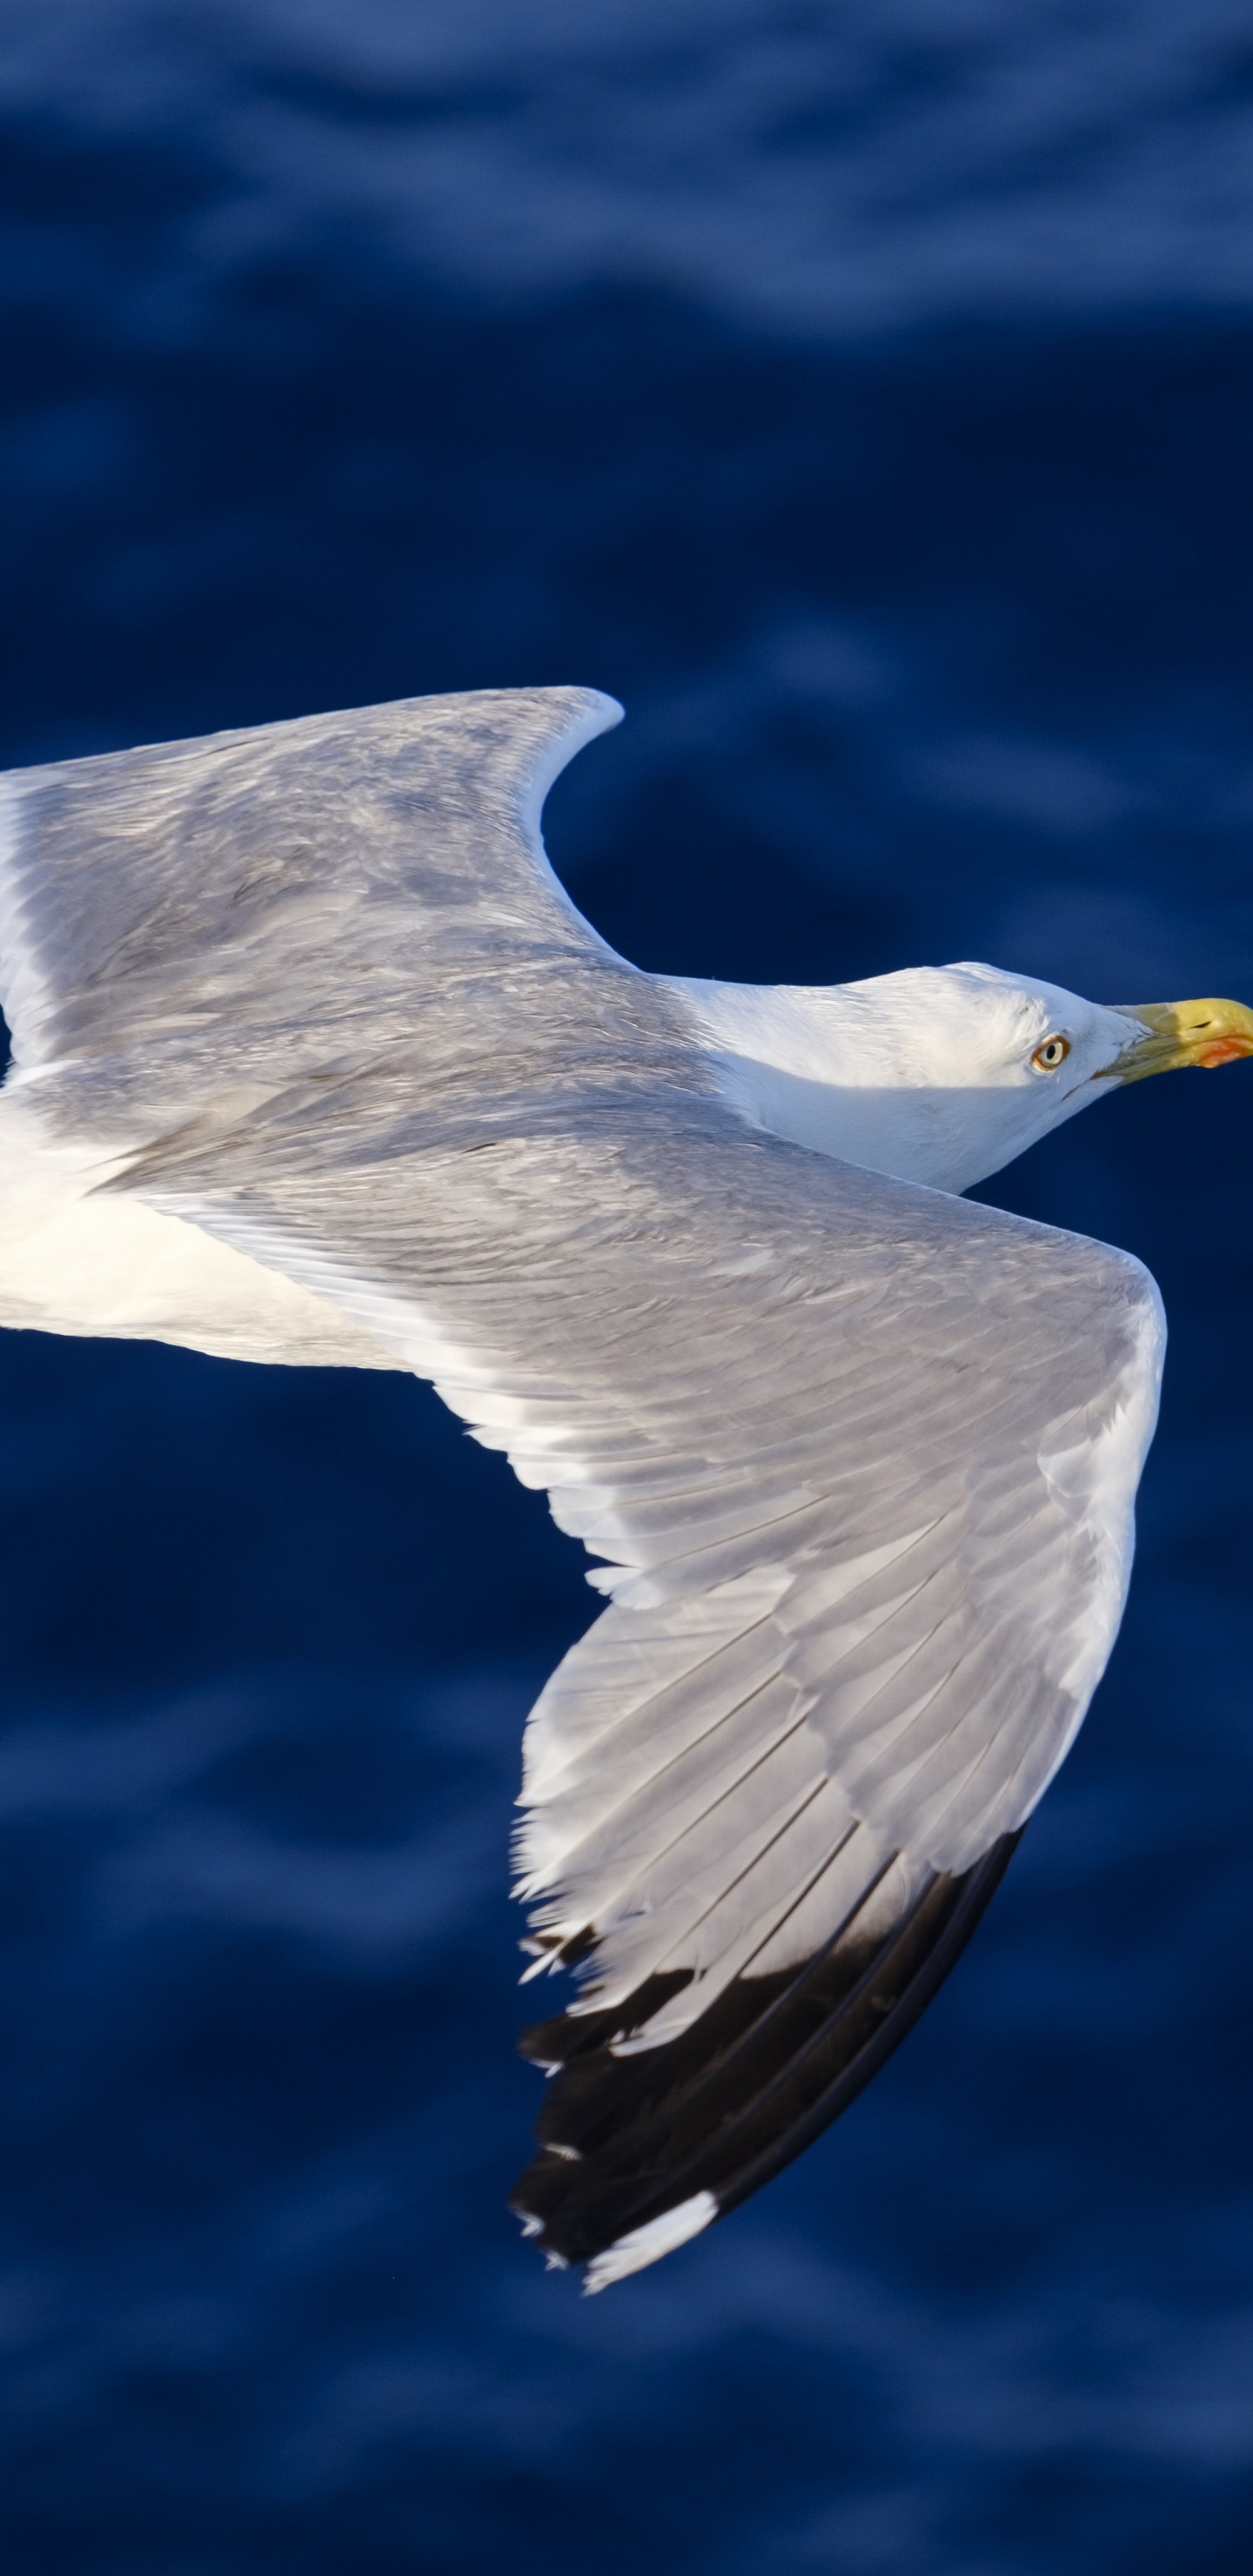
(862, 393)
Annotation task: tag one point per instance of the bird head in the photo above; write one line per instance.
(942, 1074)
(1030, 1055)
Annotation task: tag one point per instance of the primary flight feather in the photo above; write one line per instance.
(314, 1060)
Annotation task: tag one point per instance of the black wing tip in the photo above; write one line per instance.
(638, 2152)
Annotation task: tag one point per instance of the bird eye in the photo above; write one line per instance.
(1050, 1053)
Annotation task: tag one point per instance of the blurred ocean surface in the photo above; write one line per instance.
(860, 389)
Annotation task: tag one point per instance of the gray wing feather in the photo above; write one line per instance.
(842, 1462)
(182, 889)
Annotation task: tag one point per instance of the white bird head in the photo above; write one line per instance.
(941, 1074)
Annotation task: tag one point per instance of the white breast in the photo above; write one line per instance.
(75, 1260)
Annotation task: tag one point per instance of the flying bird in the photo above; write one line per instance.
(315, 1061)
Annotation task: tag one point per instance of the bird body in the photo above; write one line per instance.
(315, 1060)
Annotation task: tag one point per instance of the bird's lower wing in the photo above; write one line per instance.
(861, 1460)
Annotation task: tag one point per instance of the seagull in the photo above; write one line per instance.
(314, 1061)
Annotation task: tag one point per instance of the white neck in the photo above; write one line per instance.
(924, 1075)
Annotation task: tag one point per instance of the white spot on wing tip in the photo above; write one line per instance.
(644, 2245)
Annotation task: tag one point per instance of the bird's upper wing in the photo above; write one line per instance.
(254, 886)
(861, 1458)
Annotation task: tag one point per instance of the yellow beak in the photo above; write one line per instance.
(1181, 1033)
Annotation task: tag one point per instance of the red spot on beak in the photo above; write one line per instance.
(1222, 1051)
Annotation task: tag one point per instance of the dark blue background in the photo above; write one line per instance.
(864, 399)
